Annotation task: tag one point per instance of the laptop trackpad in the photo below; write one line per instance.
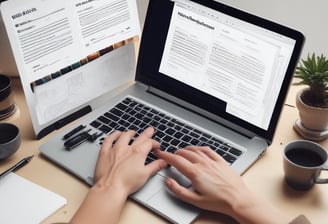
(175, 210)
(157, 197)
(153, 185)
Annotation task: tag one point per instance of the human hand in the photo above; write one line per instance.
(217, 187)
(123, 165)
(215, 183)
(119, 172)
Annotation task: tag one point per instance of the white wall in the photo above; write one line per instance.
(309, 17)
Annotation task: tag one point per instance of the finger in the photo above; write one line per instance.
(212, 154)
(110, 139)
(107, 145)
(124, 139)
(155, 166)
(181, 192)
(191, 155)
(145, 135)
(179, 162)
(204, 150)
(144, 142)
(102, 164)
(156, 144)
(144, 148)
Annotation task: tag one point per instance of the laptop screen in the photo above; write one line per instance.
(227, 62)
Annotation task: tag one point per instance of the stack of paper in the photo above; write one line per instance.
(22, 201)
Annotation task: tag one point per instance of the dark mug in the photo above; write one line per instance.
(7, 104)
(9, 140)
(303, 162)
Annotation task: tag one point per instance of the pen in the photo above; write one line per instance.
(17, 166)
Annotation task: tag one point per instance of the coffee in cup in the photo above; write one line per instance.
(303, 162)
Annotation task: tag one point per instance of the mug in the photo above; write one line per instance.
(9, 140)
(303, 162)
(7, 104)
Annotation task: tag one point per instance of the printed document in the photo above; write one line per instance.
(62, 50)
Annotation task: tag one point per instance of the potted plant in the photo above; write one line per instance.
(312, 102)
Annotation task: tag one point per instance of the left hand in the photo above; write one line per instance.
(120, 171)
(123, 165)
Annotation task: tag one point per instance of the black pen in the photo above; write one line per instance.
(18, 165)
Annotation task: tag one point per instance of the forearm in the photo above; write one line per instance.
(101, 205)
(257, 210)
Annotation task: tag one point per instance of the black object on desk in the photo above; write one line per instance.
(61, 123)
(73, 132)
(17, 166)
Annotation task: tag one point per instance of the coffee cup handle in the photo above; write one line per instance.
(319, 180)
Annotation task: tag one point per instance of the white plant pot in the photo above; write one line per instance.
(313, 122)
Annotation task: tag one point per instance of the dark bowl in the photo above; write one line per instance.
(9, 140)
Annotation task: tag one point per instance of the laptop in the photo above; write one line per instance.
(207, 74)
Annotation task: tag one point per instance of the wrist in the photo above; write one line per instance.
(111, 189)
(102, 203)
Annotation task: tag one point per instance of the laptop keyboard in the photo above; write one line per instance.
(172, 134)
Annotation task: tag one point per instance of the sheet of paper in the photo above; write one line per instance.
(23, 201)
(55, 39)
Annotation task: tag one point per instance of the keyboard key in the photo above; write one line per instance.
(220, 152)
(121, 106)
(178, 135)
(167, 138)
(170, 131)
(186, 138)
(235, 151)
(159, 134)
(225, 147)
(161, 127)
(175, 142)
(105, 129)
(117, 112)
(183, 145)
(194, 142)
(111, 116)
(95, 124)
(194, 135)
(113, 125)
(229, 158)
(104, 119)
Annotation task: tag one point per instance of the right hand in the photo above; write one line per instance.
(216, 185)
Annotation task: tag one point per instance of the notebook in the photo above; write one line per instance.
(33, 204)
(221, 73)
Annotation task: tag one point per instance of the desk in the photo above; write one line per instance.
(264, 177)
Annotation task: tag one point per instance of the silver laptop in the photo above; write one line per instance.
(207, 74)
